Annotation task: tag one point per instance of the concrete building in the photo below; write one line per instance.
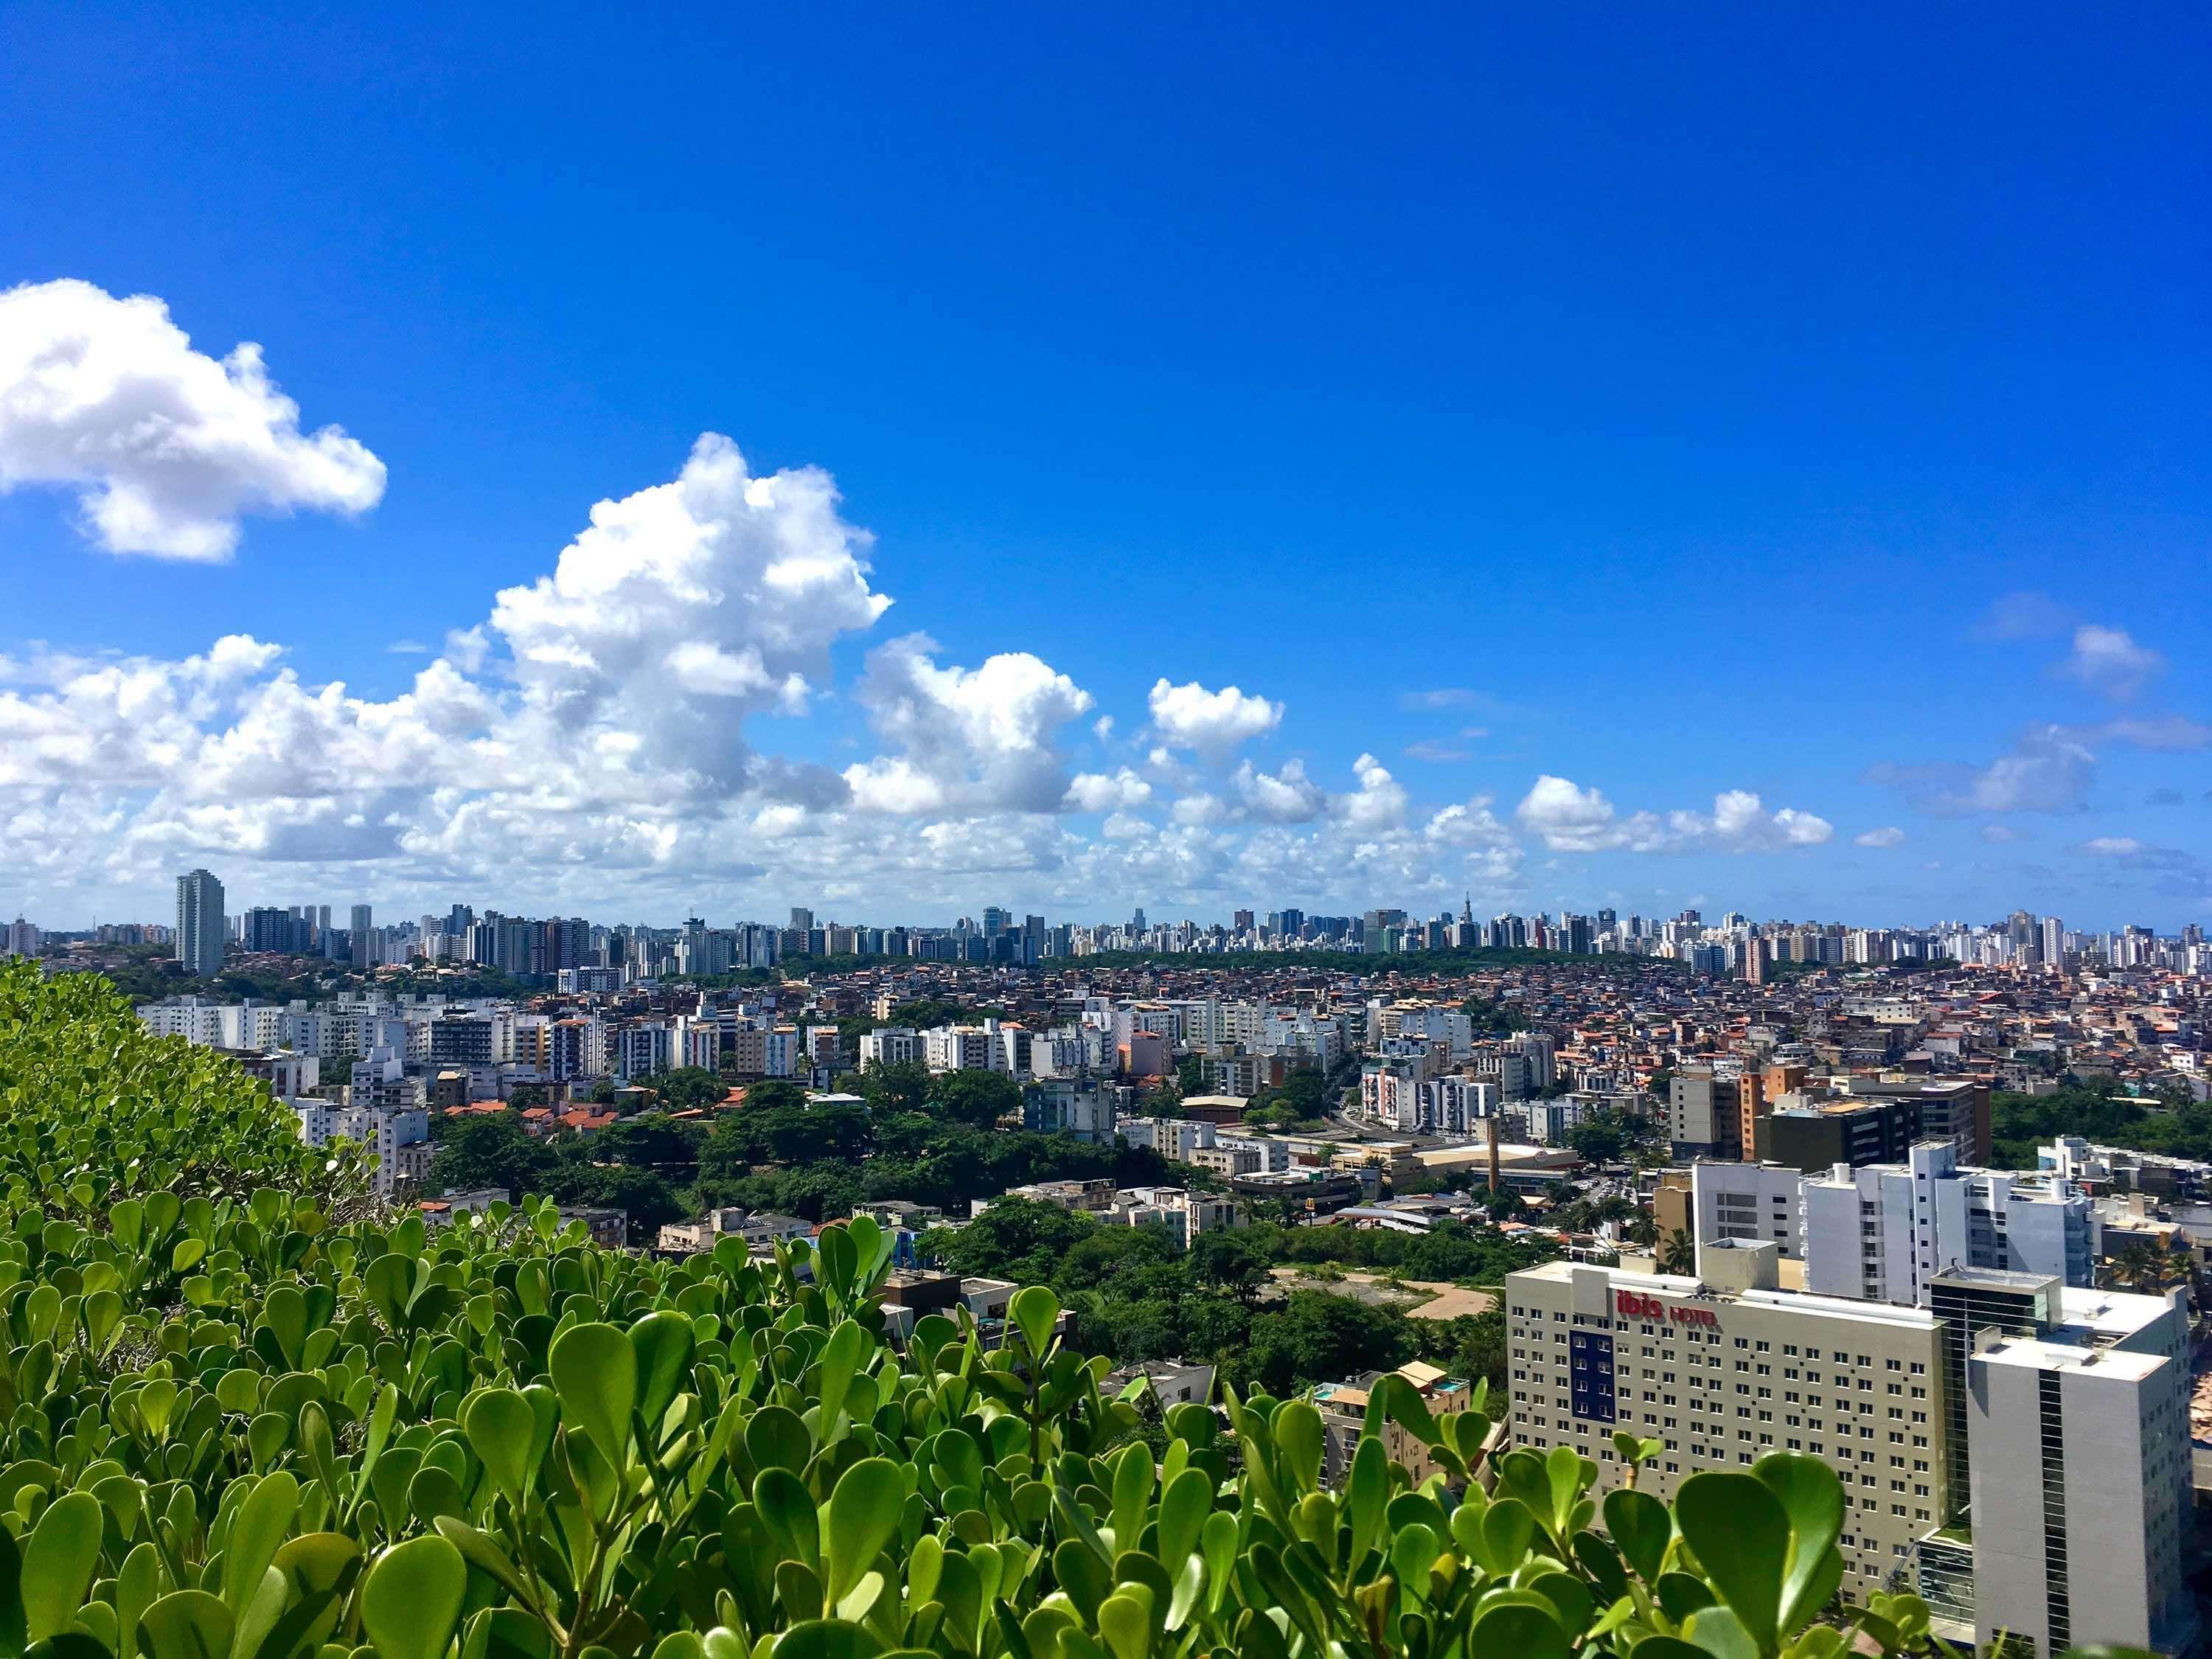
(1182, 1213)
(962, 1048)
(1956, 1110)
(1344, 1419)
(200, 925)
(1815, 1135)
(2016, 1450)
(890, 1045)
(1885, 1230)
(1727, 1367)
(1738, 1202)
(2082, 1453)
(1067, 1106)
(1703, 1115)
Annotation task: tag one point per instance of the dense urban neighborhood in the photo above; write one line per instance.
(1578, 1161)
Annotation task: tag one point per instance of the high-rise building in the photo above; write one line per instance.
(2054, 942)
(200, 924)
(2056, 1418)
(359, 937)
(268, 928)
(802, 920)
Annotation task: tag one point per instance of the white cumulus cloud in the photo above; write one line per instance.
(1569, 819)
(166, 446)
(2109, 662)
(1104, 791)
(1888, 835)
(982, 737)
(1214, 723)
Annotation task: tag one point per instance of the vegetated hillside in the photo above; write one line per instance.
(233, 1426)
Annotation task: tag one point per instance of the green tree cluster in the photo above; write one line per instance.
(2175, 1126)
(1136, 1297)
(930, 1141)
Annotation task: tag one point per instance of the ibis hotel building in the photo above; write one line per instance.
(2088, 1467)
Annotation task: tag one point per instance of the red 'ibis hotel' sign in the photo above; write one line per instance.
(1650, 1307)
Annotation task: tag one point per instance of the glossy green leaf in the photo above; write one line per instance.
(863, 1517)
(187, 1624)
(262, 1522)
(1522, 1631)
(1033, 1311)
(1740, 1533)
(662, 1343)
(827, 1638)
(410, 1601)
(595, 1370)
(1299, 1437)
(1641, 1527)
(59, 1558)
(502, 1429)
(1812, 1500)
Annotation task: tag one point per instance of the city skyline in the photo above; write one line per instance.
(1481, 495)
(2022, 938)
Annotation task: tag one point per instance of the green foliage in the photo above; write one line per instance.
(686, 1088)
(237, 1424)
(1609, 1135)
(978, 1099)
(1135, 1298)
(2020, 1123)
(93, 1109)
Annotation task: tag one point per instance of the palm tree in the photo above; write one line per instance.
(1679, 1254)
(2139, 1264)
(1644, 1229)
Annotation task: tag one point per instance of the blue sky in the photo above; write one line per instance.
(1693, 400)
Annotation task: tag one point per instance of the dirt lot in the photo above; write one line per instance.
(1417, 1299)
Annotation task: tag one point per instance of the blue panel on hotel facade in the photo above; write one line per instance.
(1590, 1358)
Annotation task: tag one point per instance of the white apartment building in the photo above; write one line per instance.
(576, 1048)
(399, 1137)
(1183, 1213)
(2088, 1449)
(1069, 1052)
(1755, 1202)
(1275, 1156)
(197, 1020)
(962, 1048)
(1406, 1095)
(1229, 1159)
(1885, 1231)
(698, 1043)
(1425, 1021)
(1542, 1055)
(642, 1050)
(780, 1051)
(890, 1045)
